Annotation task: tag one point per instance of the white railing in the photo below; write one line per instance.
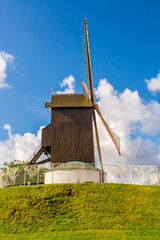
(130, 174)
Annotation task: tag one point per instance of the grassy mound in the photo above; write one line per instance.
(77, 207)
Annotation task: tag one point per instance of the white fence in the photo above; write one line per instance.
(132, 174)
(34, 174)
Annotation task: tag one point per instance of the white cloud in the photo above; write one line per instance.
(69, 84)
(4, 59)
(126, 113)
(18, 147)
(153, 84)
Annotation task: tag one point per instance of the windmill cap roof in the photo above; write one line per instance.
(68, 100)
(75, 165)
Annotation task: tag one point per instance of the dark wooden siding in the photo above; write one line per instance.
(72, 135)
(46, 136)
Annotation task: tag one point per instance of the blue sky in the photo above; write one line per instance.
(45, 38)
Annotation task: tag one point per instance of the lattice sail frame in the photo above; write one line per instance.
(86, 61)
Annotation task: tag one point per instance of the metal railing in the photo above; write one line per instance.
(34, 174)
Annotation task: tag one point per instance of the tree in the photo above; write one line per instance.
(13, 164)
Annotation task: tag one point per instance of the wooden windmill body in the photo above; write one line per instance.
(69, 137)
(70, 130)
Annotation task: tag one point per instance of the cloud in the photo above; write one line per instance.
(153, 84)
(8, 127)
(127, 114)
(69, 84)
(18, 147)
(4, 59)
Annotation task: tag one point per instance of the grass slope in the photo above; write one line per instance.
(82, 208)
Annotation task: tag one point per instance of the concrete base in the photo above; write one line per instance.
(70, 174)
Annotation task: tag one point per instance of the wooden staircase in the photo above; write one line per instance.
(34, 157)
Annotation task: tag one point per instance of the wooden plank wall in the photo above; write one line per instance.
(72, 135)
(46, 136)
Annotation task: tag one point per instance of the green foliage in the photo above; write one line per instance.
(79, 207)
(9, 171)
(18, 173)
(13, 164)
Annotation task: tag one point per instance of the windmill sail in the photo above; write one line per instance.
(114, 137)
(89, 82)
(88, 89)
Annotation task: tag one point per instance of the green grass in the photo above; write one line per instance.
(87, 235)
(80, 211)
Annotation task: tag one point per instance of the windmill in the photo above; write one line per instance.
(88, 89)
(69, 136)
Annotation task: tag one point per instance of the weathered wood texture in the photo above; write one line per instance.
(72, 135)
(46, 136)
